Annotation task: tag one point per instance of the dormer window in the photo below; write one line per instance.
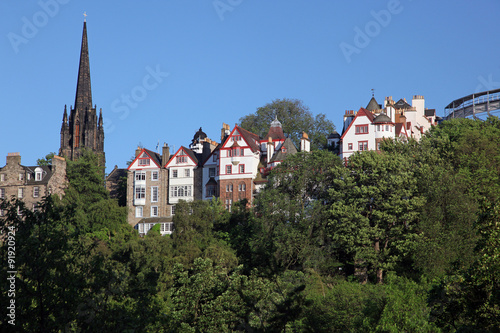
(181, 159)
(38, 174)
(144, 161)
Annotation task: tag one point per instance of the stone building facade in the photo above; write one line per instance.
(31, 183)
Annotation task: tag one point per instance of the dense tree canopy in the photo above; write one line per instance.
(416, 223)
(295, 118)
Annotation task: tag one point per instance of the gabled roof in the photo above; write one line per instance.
(279, 155)
(155, 157)
(187, 151)
(249, 138)
(361, 112)
(402, 104)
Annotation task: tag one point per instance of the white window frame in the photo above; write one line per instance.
(154, 211)
(140, 192)
(154, 175)
(175, 173)
(139, 211)
(154, 194)
(20, 192)
(36, 192)
(211, 172)
(187, 173)
(2, 193)
(140, 176)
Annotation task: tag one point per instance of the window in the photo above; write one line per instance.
(154, 193)
(28, 176)
(2, 213)
(283, 149)
(210, 191)
(35, 207)
(154, 175)
(21, 176)
(211, 172)
(228, 169)
(378, 145)
(242, 187)
(144, 161)
(180, 191)
(174, 173)
(140, 192)
(2, 177)
(362, 129)
(214, 158)
(387, 128)
(38, 174)
(2, 193)
(363, 145)
(167, 227)
(236, 138)
(242, 168)
(378, 128)
(154, 211)
(187, 173)
(36, 192)
(181, 159)
(138, 211)
(229, 153)
(229, 188)
(140, 175)
(19, 212)
(349, 146)
(173, 210)
(229, 202)
(20, 192)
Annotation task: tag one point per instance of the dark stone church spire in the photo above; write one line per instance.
(82, 130)
(83, 100)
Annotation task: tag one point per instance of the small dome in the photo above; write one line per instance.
(200, 135)
(275, 122)
(382, 118)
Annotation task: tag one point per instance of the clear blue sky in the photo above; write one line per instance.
(226, 58)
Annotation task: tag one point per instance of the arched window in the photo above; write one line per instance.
(77, 134)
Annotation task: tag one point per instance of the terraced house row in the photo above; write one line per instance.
(232, 170)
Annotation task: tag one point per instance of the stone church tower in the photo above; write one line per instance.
(82, 130)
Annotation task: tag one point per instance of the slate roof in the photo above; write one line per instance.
(402, 104)
(46, 174)
(373, 105)
(154, 156)
(290, 150)
(250, 138)
(382, 119)
(430, 112)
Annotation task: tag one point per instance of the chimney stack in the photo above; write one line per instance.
(165, 154)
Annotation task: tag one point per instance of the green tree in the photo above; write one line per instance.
(374, 208)
(47, 160)
(295, 118)
(292, 210)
